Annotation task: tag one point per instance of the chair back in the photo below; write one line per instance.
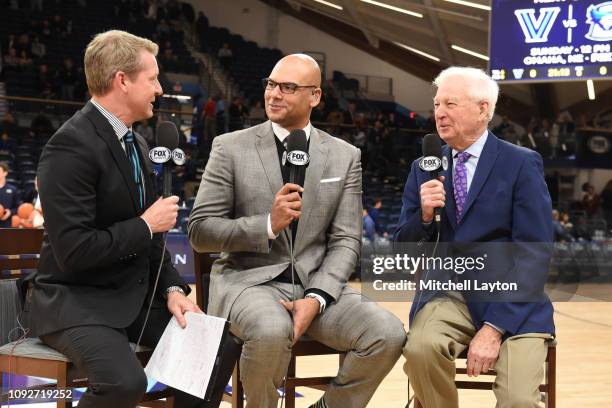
(202, 265)
(19, 249)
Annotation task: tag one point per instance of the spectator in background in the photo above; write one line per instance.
(41, 125)
(375, 140)
(25, 62)
(235, 115)
(151, 12)
(45, 29)
(350, 115)
(606, 203)
(6, 144)
(210, 122)
(225, 56)
(169, 60)
(23, 43)
(59, 27)
(393, 121)
(257, 114)
(9, 197)
(430, 123)
(319, 113)
(369, 229)
(67, 77)
(566, 222)
(202, 27)
(44, 84)
(374, 212)
(561, 234)
(38, 49)
(11, 60)
(146, 131)
(11, 42)
(590, 200)
(221, 125)
(8, 123)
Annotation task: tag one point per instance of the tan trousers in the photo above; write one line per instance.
(441, 331)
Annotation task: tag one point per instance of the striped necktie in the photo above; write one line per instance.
(130, 149)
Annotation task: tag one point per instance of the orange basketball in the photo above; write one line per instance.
(1, 211)
(15, 221)
(25, 210)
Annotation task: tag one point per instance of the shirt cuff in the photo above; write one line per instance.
(148, 226)
(502, 331)
(271, 234)
(322, 302)
(327, 298)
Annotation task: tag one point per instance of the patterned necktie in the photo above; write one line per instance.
(460, 183)
(132, 155)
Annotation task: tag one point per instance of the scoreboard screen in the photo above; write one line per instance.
(546, 40)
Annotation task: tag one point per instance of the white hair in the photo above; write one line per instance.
(480, 86)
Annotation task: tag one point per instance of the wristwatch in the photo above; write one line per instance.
(173, 289)
(322, 302)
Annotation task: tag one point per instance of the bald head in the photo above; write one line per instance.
(291, 108)
(302, 66)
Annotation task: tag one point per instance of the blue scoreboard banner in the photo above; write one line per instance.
(545, 40)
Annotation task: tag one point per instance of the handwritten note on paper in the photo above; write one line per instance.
(184, 358)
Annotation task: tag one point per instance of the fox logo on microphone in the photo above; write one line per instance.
(160, 154)
(298, 158)
(430, 163)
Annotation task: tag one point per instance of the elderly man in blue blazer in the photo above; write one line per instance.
(492, 192)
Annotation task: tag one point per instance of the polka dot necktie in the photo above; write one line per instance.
(460, 183)
(132, 154)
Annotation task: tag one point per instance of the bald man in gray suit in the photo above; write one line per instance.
(243, 208)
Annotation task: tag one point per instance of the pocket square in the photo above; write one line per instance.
(330, 180)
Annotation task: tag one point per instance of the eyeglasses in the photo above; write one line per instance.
(285, 87)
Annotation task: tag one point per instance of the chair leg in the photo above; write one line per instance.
(551, 373)
(237, 390)
(290, 390)
(62, 383)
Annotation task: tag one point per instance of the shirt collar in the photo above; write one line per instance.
(475, 149)
(282, 133)
(118, 126)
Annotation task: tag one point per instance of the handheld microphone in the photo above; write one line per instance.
(297, 159)
(432, 162)
(167, 140)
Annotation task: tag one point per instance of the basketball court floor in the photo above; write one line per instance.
(584, 359)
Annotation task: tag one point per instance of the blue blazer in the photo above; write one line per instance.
(508, 201)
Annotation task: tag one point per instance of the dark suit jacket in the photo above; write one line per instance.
(97, 261)
(508, 201)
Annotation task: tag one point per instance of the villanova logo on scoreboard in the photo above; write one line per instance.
(600, 18)
(536, 30)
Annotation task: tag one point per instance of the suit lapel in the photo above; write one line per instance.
(483, 169)
(318, 153)
(106, 132)
(449, 206)
(268, 154)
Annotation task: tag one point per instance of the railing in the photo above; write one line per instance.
(373, 84)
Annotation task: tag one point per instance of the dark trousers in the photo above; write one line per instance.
(115, 376)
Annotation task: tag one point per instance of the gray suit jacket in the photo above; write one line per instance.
(236, 194)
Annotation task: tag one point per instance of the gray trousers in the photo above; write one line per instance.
(371, 336)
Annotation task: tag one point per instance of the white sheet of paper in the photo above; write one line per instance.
(184, 358)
